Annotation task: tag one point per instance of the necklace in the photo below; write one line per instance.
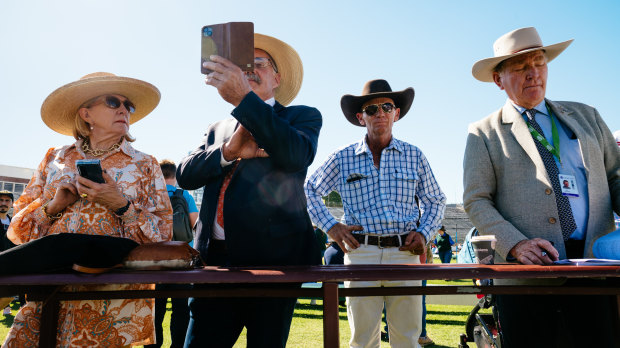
(87, 150)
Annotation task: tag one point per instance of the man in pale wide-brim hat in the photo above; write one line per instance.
(514, 162)
(252, 168)
(378, 178)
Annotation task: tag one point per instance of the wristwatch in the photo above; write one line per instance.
(123, 210)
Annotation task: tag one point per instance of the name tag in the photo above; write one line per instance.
(568, 184)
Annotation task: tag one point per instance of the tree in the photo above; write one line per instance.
(333, 199)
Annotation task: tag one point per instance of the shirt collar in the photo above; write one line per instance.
(271, 101)
(125, 147)
(362, 146)
(540, 108)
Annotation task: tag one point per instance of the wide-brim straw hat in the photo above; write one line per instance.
(351, 104)
(512, 44)
(289, 66)
(60, 108)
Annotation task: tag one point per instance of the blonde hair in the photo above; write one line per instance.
(81, 128)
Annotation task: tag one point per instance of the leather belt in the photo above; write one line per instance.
(380, 241)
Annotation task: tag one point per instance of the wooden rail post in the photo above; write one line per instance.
(331, 316)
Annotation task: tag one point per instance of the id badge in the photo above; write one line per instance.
(568, 184)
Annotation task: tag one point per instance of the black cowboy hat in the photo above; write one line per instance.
(351, 104)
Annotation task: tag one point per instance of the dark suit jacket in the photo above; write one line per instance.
(265, 212)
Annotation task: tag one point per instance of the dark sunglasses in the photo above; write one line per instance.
(114, 103)
(372, 109)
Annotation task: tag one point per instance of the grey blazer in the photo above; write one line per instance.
(506, 188)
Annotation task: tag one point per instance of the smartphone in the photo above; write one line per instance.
(233, 41)
(90, 169)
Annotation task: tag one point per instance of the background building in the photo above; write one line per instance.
(14, 179)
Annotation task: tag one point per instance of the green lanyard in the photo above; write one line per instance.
(554, 134)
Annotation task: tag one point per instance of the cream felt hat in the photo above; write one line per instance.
(288, 64)
(60, 108)
(512, 44)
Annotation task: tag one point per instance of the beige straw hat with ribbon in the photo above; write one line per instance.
(60, 108)
(512, 44)
(288, 63)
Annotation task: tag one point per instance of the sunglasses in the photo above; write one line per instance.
(372, 109)
(263, 62)
(114, 103)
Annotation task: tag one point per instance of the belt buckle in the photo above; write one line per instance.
(379, 242)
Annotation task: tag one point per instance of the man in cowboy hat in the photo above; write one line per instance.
(514, 162)
(378, 178)
(252, 168)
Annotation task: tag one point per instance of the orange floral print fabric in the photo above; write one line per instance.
(88, 323)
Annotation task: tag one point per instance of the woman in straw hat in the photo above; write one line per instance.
(132, 203)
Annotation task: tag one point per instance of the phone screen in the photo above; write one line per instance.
(91, 170)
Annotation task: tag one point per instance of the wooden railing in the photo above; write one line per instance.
(46, 287)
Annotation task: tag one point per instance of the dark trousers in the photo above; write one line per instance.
(179, 318)
(334, 255)
(445, 256)
(217, 322)
(557, 321)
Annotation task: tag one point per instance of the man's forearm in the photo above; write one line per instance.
(291, 144)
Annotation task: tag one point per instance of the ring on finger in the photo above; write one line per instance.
(543, 254)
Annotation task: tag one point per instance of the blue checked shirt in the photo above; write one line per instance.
(380, 200)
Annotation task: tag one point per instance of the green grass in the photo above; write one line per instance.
(444, 325)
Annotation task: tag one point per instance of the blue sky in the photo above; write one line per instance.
(428, 45)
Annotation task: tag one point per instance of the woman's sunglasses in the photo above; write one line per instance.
(114, 103)
(372, 109)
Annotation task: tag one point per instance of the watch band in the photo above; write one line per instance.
(123, 210)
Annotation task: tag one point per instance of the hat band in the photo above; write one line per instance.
(527, 48)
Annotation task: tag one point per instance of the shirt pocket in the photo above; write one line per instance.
(359, 191)
(403, 187)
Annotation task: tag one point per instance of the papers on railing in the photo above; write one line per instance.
(588, 262)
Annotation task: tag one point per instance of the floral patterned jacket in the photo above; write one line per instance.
(109, 323)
